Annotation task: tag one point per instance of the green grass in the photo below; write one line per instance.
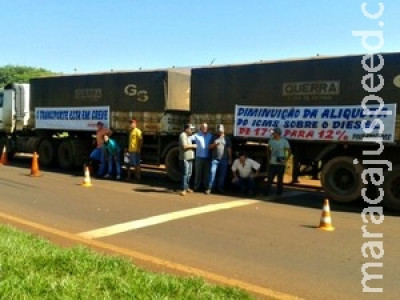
(33, 268)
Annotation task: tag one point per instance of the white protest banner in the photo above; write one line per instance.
(322, 123)
(71, 118)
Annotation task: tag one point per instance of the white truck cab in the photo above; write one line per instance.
(14, 107)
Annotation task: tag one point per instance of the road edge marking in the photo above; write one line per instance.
(267, 292)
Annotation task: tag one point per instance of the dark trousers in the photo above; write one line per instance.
(278, 171)
(201, 172)
(246, 183)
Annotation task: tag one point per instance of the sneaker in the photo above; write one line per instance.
(189, 190)
(183, 193)
(118, 177)
(107, 176)
(207, 192)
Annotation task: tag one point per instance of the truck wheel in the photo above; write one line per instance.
(65, 156)
(47, 153)
(341, 179)
(5, 142)
(172, 164)
(391, 186)
(81, 150)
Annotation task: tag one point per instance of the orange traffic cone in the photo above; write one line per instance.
(326, 221)
(35, 166)
(4, 156)
(87, 182)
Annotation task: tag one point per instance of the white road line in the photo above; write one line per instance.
(124, 227)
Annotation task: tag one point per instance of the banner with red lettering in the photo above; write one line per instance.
(324, 123)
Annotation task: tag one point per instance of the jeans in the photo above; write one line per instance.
(187, 167)
(134, 159)
(99, 154)
(202, 170)
(218, 166)
(111, 158)
(275, 170)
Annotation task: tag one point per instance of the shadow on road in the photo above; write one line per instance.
(156, 181)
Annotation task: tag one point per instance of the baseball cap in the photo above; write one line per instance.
(277, 130)
(188, 126)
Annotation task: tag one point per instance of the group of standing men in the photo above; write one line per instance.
(212, 156)
(107, 151)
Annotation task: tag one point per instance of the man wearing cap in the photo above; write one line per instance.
(186, 157)
(135, 142)
(221, 156)
(99, 153)
(279, 150)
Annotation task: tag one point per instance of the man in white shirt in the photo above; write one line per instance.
(244, 171)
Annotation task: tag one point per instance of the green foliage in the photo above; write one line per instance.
(20, 74)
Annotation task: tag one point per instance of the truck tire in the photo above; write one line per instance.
(3, 142)
(391, 186)
(174, 171)
(10, 151)
(47, 153)
(341, 179)
(65, 155)
(81, 151)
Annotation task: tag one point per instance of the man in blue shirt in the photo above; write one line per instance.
(202, 160)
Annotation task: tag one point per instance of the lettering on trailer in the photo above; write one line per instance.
(311, 88)
(324, 123)
(131, 90)
(68, 118)
(396, 81)
(95, 93)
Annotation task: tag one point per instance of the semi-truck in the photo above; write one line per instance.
(320, 104)
(56, 116)
(338, 113)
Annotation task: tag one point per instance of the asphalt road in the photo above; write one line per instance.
(271, 248)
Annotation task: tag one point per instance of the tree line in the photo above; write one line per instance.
(20, 74)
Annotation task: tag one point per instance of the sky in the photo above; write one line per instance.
(81, 36)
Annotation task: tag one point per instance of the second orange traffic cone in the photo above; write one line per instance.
(4, 156)
(87, 182)
(326, 220)
(35, 166)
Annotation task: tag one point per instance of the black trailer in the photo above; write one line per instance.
(314, 82)
(158, 99)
